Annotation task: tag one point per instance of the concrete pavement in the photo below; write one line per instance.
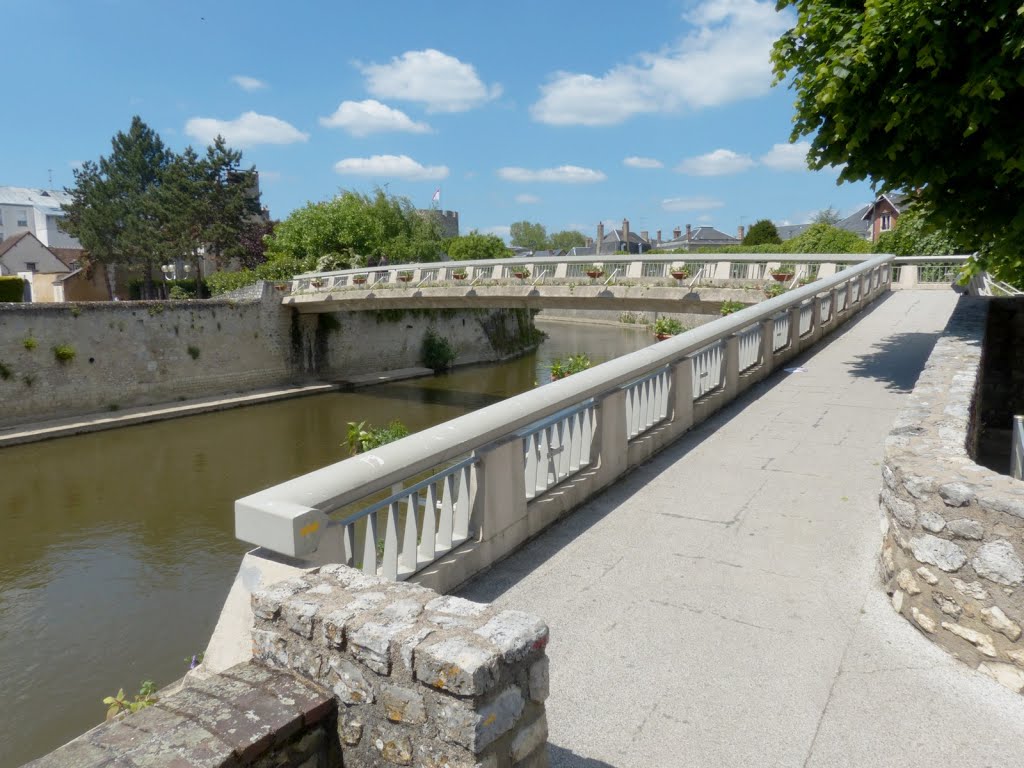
(720, 606)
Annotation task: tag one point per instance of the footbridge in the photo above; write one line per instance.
(678, 283)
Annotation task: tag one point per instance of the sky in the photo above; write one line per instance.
(562, 112)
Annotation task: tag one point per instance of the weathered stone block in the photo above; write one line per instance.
(540, 680)
(516, 634)
(394, 747)
(947, 605)
(1004, 674)
(371, 644)
(979, 640)
(965, 528)
(474, 729)
(938, 552)
(403, 705)
(998, 561)
(923, 620)
(927, 576)
(956, 494)
(971, 588)
(530, 739)
(903, 512)
(1000, 622)
(298, 616)
(907, 582)
(349, 683)
(458, 665)
(351, 729)
(931, 521)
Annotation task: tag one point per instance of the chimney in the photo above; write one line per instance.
(645, 235)
(739, 232)
(659, 237)
(600, 236)
(677, 233)
(625, 233)
(689, 233)
(590, 242)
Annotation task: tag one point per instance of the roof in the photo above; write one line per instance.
(711, 236)
(48, 200)
(855, 222)
(616, 236)
(789, 231)
(68, 255)
(10, 242)
(895, 200)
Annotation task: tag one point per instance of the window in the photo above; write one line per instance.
(31, 266)
(22, 219)
(886, 222)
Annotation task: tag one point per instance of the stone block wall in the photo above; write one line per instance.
(953, 550)
(421, 679)
(249, 715)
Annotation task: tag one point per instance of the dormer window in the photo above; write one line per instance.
(886, 222)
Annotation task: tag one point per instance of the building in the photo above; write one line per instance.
(25, 256)
(37, 211)
(701, 237)
(882, 214)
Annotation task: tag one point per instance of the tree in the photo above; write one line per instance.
(913, 236)
(762, 232)
(567, 239)
(827, 216)
(476, 246)
(525, 234)
(824, 238)
(356, 229)
(919, 95)
(115, 209)
(254, 242)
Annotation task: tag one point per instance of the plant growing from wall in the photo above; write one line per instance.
(193, 352)
(728, 307)
(359, 439)
(437, 353)
(572, 364)
(119, 704)
(64, 353)
(29, 343)
(774, 289)
(664, 327)
(5, 372)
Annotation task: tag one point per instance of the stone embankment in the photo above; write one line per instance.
(953, 554)
(355, 670)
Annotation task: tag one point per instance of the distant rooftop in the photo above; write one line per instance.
(43, 199)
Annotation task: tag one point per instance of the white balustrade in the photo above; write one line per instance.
(506, 462)
(707, 369)
(750, 346)
(647, 401)
(557, 448)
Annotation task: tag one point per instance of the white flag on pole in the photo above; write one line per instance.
(437, 196)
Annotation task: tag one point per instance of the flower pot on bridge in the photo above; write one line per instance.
(358, 279)
(680, 274)
(522, 274)
(318, 283)
(782, 277)
(280, 286)
(593, 274)
(404, 277)
(459, 275)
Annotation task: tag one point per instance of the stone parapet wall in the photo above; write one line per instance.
(421, 679)
(952, 550)
(250, 715)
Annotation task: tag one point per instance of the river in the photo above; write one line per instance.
(118, 547)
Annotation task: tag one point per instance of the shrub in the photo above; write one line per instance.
(64, 353)
(5, 372)
(193, 352)
(12, 288)
(359, 439)
(29, 343)
(438, 353)
(667, 326)
(774, 289)
(179, 292)
(762, 232)
(144, 698)
(728, 307)
(225, 282)
(572, 364)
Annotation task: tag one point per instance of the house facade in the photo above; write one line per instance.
(37, 211)
(24, 255)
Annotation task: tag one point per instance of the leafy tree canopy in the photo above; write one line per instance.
(476, 246)
(824, 238)
(827, 216)
(914, 236)
(762, 232)
(143, 205)
(357, 230)
(526, 234)
(919, 95)
(567, 239)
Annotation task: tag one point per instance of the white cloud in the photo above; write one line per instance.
(361, 118)
(248, 130)
(697, 203)
(503, 231)
(787, 157)
(393, 166)
(247, 83)
(431, 77)
(724, 58)
(721, 162)
(642, 162)
(564, 174)
(527, 199)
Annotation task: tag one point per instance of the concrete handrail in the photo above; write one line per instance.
(291, 516)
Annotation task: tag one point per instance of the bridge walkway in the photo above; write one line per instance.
(720, 606)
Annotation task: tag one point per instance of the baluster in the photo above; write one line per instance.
(629, 410)
(575, 427)
(409, 540)
(543, 445)
(348, 543)
(447, 522)
(551, 433)
(389, 565)
(530, 465)
(428, 532)
(460, 526)
(586, 436)
(565, 441)
(370, 545)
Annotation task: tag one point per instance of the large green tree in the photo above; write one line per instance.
(526, 234)
(924, 95)
(354, 229)
(476, 246)
(567, 239)
(913, 236)
(762, 232)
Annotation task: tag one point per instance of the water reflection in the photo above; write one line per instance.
(118, 548)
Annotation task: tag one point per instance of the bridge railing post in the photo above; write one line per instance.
(731, 374)
(816, 329)
(682, 396)
(767, 348)
(498, 494)
(609, 449)
(795, 342)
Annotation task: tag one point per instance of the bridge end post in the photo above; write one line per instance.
(682, 397)
(731, 369)
(611, 438)
(499, 502)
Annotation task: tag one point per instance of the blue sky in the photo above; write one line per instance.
(566, 113)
